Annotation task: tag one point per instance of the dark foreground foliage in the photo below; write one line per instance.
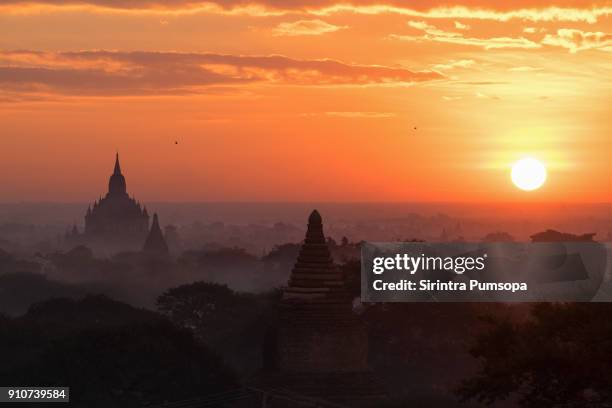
(561, 357)
(108, 353)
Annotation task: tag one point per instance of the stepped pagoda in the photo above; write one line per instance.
(319, 347)
(116, 222)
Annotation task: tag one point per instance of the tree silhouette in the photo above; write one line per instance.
(127, 366)
(560, 357)
(211, 310)
(108, 353)
(20, 290)
(231, 323)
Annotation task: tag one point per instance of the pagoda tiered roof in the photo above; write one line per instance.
(316, 289)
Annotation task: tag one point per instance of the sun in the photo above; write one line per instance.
(529, 174)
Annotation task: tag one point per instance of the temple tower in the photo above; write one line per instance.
(155, 244)
(320, 346)
(116, 222)
(318, 330)
(116, 184)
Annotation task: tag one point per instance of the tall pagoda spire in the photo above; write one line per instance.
(117, 169)
(116, 183)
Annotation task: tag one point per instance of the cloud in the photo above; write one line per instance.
(578, 40)
(421, 25)
(163, 73)
(534, 30)
(461, 26)
(573, 39)
(464, 63)
(524, 68)
(432, 33)
(527, 10)
(106, 73)
(481, 95)
(476, 10)
(306, 27)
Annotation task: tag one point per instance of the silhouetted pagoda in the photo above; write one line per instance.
(320, 347)
(117, 221)
(155, 244)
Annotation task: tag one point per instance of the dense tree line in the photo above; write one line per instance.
(561, 356)
(108, 353)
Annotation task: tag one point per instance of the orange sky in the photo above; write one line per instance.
(308, 100)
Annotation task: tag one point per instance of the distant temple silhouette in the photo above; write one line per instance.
(319, 347)
(155, 244)
(117, 222)
(556, 236)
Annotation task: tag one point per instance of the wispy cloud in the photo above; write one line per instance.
(461, 26)
(524, 68)
(306, 27)
(578, 40)
(435, 34)
(591, 13)
(540, 10)
(464, 63)
(162, 73)
(572, 39)
(481, 95)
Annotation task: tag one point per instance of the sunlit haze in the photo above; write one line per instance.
(305, 100)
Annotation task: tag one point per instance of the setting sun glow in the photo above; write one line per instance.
(306, 100)
(528, 174)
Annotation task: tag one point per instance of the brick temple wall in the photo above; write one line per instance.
(322, 349)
